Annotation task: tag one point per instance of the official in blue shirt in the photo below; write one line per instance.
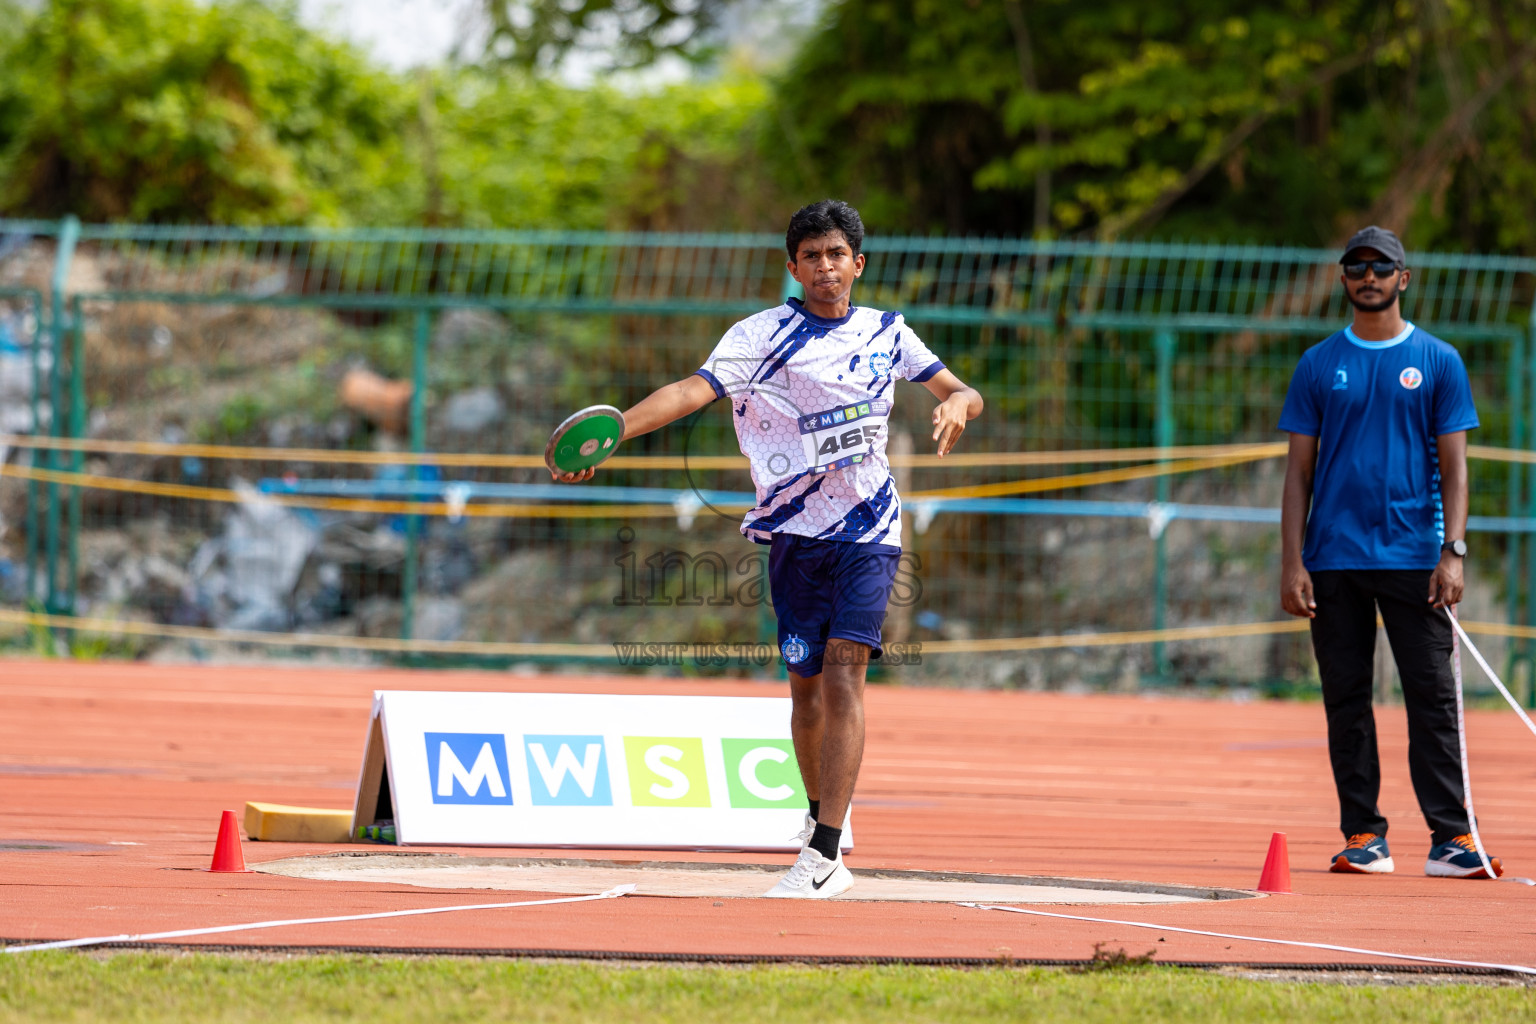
(1374, 517)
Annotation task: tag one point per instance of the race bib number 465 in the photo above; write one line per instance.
(842, 437)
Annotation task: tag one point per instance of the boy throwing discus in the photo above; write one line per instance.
(810, 388)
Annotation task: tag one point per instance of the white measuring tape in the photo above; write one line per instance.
(1457, 638)
(614, 893)
(1493, 676)
(1461, 739)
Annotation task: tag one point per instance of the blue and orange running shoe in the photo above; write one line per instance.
(1457, 858)
(1366, 853)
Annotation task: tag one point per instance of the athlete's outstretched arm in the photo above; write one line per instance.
(958, 405)
(656, 410)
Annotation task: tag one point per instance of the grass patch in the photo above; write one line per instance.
(168, 986)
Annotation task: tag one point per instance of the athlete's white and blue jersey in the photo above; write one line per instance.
(811, 399)
(1377, 409)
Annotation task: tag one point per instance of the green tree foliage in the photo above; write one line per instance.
(1288, 122)
(172, 110)
(175, 110)
(539, 33)
(518, 150)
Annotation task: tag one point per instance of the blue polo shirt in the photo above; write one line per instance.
(1376, 408)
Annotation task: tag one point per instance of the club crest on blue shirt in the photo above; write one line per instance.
(880, 364)
(1410, 378)
(794, 649)
(1341, 379)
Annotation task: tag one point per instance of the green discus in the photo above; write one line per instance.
(585, 439)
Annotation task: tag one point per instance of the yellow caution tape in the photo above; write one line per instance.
(459, 459)
(323, 455)
(1497, 629)
(1140, 636)
(495, 510)
(355, 643)
(1491, 454)
(996, 645)
(1077, 457)
(1087, 456)
(1212, 457)
(555, 511)
(1102, 476)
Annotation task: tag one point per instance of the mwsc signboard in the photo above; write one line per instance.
(598, 770)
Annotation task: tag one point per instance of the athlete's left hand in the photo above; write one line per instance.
(1447, 582)
(949, 421)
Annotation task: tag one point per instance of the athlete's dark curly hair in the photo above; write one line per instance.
(823, 218)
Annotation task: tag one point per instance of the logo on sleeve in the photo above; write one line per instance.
(1410, 378)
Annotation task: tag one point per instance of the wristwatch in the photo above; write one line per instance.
(1455, 547)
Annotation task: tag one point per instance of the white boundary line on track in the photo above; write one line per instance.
(614, 893)
(1516, 968)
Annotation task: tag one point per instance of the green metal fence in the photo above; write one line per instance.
(233, 337)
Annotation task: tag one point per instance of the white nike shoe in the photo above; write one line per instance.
(806, 832)
(813, 877)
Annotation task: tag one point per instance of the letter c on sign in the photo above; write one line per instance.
(747, 772)
(656, 759)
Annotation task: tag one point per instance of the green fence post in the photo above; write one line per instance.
(69, 235)
(1515, 388)
(77, 429)
(32, 460)
(1165, 344)
(418, 445)
(1530, 503)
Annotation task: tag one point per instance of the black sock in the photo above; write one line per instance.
(825, 839)
(815, 809)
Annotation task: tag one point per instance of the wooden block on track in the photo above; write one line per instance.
(277, 823)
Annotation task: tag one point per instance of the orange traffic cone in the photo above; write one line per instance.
(227, 855)
(1276, 876)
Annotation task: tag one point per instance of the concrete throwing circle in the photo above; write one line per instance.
(721, 881)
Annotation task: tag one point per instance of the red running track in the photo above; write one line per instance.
(128, 766)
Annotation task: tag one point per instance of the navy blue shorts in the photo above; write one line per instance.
(827, 588)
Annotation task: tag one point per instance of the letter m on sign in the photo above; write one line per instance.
(468, 768)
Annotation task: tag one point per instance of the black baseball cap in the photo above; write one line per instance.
(1380, 239)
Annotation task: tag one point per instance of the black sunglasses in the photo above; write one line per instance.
(1381, 268)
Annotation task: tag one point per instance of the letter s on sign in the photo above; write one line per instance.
(656, 759)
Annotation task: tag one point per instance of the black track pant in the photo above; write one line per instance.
(1344, 639)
